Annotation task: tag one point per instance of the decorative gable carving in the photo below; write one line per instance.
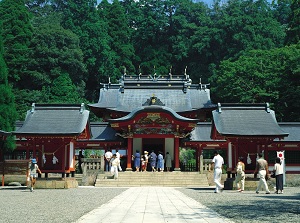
(153, 101)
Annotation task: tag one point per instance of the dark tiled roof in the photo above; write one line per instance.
(293, 128)
(154, 108)
(4, 133)
(101, 131)
(48, 119)
(202, 132)
(177, 93)
(246, 120)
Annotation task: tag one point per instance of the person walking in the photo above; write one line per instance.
(262, 170)
(115, 162)
(160, 162)
(168, 161)
(119, 157)
(153, 158)
(240, 175)
(33, 169)
(278, 170)
(137, 161)
(217, 164)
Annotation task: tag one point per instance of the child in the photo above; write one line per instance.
(143, 165)
(33, 168)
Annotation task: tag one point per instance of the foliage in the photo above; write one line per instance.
(89, 43)
(187, 156)
(262, 76)
(17, 33)
(7, 105)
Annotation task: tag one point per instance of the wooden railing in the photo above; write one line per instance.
(93, 164)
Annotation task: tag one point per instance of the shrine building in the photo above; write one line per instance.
(153, 113)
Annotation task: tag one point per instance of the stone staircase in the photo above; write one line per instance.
(162, 179)
(78, 177)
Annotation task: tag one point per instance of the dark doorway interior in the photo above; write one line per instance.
(156, 145)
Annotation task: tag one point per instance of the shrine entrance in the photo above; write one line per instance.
(154, 144)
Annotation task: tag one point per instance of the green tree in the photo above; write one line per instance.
(82, 18)
(64, 91)
(293, 32)
(8, 112)
(246, 25)
(120, 35)
(17, 33)
(262, 76)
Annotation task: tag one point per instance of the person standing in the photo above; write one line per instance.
(240, 175)
(153, 158)
(262, 170)
(115, 163)
(33, 169)
(217, 164)
(278, 170)
(108, 155)
(146, 159)
(168, 161)
(119, 157)
(160, 162)
(137, 161)
(80, 161)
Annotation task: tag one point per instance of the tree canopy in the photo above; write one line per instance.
(247, 49)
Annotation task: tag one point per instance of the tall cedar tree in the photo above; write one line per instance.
(293, 32)
(119, 31)
(17, 33)
(82, 18)
(8, 112)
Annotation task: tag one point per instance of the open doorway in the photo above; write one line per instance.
(154, 144)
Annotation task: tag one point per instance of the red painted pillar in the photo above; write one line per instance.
(129, 153)
(176, 154)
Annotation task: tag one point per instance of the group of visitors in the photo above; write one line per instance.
(157, 162)
(112, 163)
(262, 169)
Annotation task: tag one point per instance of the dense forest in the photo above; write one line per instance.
(59, 51)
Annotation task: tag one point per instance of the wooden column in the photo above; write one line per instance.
(129, 153)
(176, 154)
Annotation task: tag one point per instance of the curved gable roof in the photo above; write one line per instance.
(51, 119)
(246, 120)
(177, 93)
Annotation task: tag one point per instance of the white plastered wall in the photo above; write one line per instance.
(169, 146)
(137, 145)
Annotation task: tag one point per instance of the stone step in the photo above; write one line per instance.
(167, 179)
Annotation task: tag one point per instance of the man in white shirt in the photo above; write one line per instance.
(119, 157)
(108, 155)
(115, 162)
(217, 163)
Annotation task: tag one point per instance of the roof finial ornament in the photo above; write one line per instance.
(185, 72)
(267, 107)
(81, 108)
(124, 71)
(32, 107)
(200, 83)
(170, 73)
(140, 72)
(154, 72)
(219, 107)
(109, 80)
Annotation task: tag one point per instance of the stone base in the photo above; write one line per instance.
(56, 184)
